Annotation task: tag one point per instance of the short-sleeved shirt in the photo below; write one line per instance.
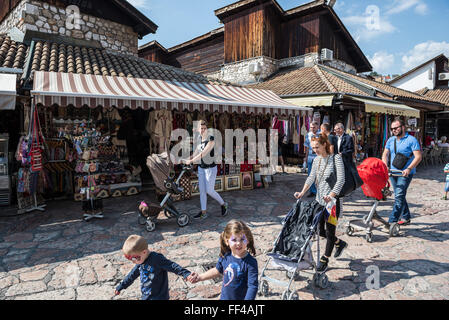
(446, 168)
(240, 277)
(307, 142)
(201, 148)
(406, 145)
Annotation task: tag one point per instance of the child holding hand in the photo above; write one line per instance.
(152, 268)
(236, 264)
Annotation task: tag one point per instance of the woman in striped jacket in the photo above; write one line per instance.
(322, 168)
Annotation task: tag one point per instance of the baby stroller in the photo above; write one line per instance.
(161, 168)
(292, 249)
(374, 174)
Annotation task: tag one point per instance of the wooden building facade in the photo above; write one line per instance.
(254, 28)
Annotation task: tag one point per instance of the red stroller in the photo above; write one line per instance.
(375, 176)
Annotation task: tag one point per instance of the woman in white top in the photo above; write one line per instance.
(207, 172)
(322, 168)
(443, 143)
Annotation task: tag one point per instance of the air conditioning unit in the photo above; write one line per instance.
(255, 68)
(443, 76)
(327, 55)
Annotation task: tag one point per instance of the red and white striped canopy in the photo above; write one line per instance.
(80, 90)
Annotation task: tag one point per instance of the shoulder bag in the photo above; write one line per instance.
(400, 160)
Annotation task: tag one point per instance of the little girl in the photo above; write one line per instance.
(236, 263)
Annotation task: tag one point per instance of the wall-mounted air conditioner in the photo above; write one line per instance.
(443, 76)
(327, 55)
(255, 68)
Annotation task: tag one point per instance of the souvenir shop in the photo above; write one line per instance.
(368, 122)
(96, 145)
(11, 122)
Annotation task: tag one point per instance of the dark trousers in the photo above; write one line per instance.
(327, 230)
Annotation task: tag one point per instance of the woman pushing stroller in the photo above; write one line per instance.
(325, 165)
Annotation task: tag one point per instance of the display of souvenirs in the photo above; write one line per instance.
(99, 171)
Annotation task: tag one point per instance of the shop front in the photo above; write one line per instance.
(8, 131)
(99, 130)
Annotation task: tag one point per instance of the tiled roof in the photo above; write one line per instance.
(306, 80)
(48, 56)
(12, 54)
(441, 95)
(320, 79)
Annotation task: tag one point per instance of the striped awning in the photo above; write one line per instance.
(79, 90)
(8, 91)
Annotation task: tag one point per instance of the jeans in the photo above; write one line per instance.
(400, 208)
(309, 170)
(206, 181)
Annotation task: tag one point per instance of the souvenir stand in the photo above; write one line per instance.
(31, 177)
(165, 106)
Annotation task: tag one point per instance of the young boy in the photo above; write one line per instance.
(152, 268)
(446, 187)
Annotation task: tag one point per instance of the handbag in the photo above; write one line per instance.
(352, 179)
(400, 160)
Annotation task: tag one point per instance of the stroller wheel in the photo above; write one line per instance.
(285, 295)
(264, 288)
(321, 280)
(369, 237)
(293, 296)
(349, 230)
(183, 220)
(394, 230)
(151, 226)
(142, 220)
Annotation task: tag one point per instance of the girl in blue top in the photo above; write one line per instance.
(236, 264)
(446, 187)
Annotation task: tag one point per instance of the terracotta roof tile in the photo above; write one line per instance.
(441, 95)
(12, 54)
(50, 56)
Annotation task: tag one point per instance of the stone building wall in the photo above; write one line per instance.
(40, 16)
(239, 72)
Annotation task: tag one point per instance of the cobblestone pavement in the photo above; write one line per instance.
(56, 255)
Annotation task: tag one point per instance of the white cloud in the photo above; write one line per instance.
(369, 25)
(423, 52)
(138, 3)
(382, 62)
(399, 6)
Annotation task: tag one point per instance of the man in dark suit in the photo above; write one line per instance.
(344, 144)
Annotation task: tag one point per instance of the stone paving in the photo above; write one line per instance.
(55, 255)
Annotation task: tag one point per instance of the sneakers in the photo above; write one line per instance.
(224, 209)
(200, 216)
(404, 222)
(322, 264)
(339, 248)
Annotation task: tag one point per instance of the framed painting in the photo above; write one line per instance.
(219, 185)
(247, 180)
(195, 187)
(232, 182)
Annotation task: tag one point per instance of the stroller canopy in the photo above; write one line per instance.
(161, 168)
(374, 174)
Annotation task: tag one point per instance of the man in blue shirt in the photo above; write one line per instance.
(310, 155)
(408, 146)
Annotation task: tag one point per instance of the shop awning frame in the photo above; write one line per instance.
(8, 91)
(311, 101)
(386, 107)
(79, 90)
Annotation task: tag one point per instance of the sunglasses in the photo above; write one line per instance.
(132, 258)
(396, 128)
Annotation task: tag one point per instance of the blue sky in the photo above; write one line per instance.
(395, 35)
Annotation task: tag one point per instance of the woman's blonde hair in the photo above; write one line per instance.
(232, 228)
(324, 141)
(135, 244)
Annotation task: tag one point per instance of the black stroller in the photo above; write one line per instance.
(161, 169)
(292, 250)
